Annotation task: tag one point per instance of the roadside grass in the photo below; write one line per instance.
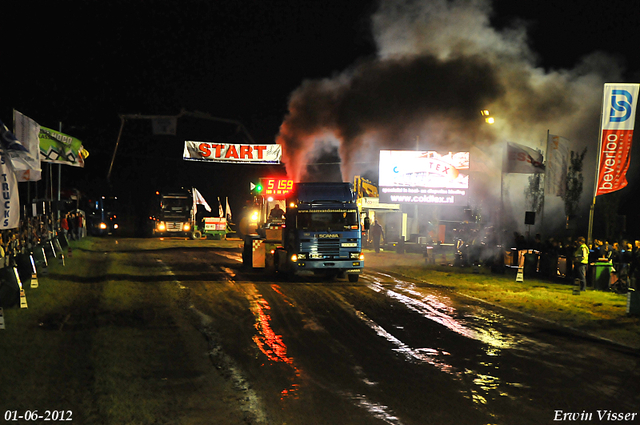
(101, 340)
(598, 313)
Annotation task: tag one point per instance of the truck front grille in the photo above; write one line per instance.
(329, 246)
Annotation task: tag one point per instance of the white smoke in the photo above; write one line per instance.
(438, 64)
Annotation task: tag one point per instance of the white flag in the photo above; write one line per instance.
(220, 211)
(27, 165)
(522, 159)
(10, 205)
(198, 199)
(557, 164)
(228, 210)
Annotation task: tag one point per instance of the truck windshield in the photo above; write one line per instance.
(176, 205)
(327, 220)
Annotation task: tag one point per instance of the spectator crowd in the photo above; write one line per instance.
(36, 231)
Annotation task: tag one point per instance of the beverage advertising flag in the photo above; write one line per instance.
(618, 119)
(60, 148)
(557, 164)
(10, 205)
(27, 165)
(522, 159)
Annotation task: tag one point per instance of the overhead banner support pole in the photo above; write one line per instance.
(116, 148)
(201, 115)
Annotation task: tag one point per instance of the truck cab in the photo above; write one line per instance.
(171, 213)
(321, 233)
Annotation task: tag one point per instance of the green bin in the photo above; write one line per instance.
(633, 303)
(530, 264)
(601, 275)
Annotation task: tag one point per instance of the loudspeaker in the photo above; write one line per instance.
(530, 217)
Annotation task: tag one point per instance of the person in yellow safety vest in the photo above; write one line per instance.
(581, 260)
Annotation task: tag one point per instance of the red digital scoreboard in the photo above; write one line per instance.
(276, 186)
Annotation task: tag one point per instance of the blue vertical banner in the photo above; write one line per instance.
(10, 200)
(618, 120)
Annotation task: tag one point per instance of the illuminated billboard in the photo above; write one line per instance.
(424, 177)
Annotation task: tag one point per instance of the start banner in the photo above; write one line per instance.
(618, 119)
(232, 152)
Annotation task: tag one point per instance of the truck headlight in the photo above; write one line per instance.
(186, 227)
(103, 226)
(162, 227)
(294, 258)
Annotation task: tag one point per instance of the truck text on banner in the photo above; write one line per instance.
(10, 203)
(232, 152)
(618, 118)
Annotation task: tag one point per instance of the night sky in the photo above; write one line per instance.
(82, 63)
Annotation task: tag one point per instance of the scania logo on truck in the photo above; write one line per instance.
(328, 235)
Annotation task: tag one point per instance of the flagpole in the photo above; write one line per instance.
(59, 188)
(595, 184)
(544, 189)
(501, 222)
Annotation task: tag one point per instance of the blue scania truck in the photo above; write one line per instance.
(321, 233)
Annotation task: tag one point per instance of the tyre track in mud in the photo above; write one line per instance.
(380, 351)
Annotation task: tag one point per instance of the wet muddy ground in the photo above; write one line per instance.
(238, 346)
(387, 350)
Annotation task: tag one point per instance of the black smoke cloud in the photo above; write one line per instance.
(438, 63)
(389, 100)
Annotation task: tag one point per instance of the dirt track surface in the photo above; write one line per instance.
(181, 333)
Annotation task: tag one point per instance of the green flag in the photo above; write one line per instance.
(60, 148)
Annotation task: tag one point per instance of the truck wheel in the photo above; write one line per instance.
(196, 235)
(353, 278)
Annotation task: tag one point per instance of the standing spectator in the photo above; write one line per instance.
(626, 255)
(80, 224)
(635, 265)
(606, 250)
(376, 234)
(72, 222)
(64, 224)
(581, 260)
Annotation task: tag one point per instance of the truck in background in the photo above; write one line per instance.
(172, 214)
(103, 215)
(320, 232)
